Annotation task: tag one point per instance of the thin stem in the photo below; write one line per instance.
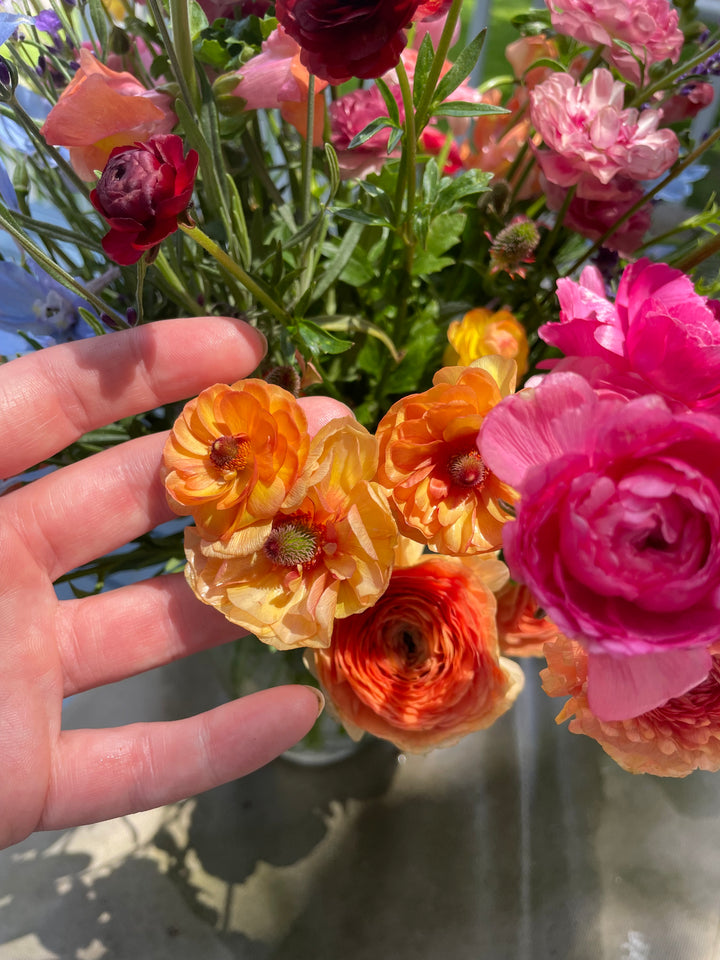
(410, 151)
(31, 127)
(705, 250)
(422, 114)
(307, 152)
(140, 283)
(665, 82)
(236, 271)
(175, 65)
(175, 285)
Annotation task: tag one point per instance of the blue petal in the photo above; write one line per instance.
(9, 22)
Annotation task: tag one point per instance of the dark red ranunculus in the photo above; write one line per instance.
(141, 193)
(341, 39)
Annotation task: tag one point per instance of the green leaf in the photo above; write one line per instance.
(462, 68)
(331, 158)
(394, 139)
(340, 257)
(370, 130)
(390, 101)
(462, 108)
(318, 341)
(197, 18)
(360, 216)
(92, 321)
(443, 233)
(99, 17)
(422, 67)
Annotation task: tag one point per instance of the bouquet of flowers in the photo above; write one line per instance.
(505, 284)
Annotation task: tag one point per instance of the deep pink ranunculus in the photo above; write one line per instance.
(658, 330)
(587, 130)
(650, 27)
(341, 40)
(617, 533)
(142, 192)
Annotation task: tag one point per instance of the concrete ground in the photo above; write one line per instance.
(522, 843)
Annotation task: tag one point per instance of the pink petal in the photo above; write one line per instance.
(623, 687)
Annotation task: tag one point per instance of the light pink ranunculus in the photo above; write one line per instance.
(659, 331)
(617, 533)
(650, 27)
(595, 207)
(588, 131)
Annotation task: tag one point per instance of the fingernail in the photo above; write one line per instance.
(321, 699)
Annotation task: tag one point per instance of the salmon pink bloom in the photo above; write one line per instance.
(483, 332)
(521, 54)
(234, 457)
(649, 27)
(616, 532)
(439, 487)
(587, 130)
(421, 668)
(101, 109)
(276, 78)
(523, 628)
(328, 556)
(672, 740)
(659, 331)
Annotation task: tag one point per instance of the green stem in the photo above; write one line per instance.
(678, 168)
(705, 250)
(410, 151)
(593, 61)
(140, 283)
(422, 114)
(8, 223)
(665, 82)
(27, 122)
(307, 152)
(235, 270)
(175, 64)
(175, 285)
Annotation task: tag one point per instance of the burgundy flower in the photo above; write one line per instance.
(142, 192)
(341, 39)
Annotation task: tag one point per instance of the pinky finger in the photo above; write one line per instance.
(102, 774)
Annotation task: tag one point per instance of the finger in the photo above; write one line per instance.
(74, 387)
(101, 774)
(91, 507)
(320, 410)
(123, 632)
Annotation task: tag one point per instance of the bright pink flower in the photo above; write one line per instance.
(276, 78)
(650, 27)
(659, 331)
(617, 533)
(587, 131)
(595, 207)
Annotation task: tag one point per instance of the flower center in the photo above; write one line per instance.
(294, 541)
(467, 469)
(231, 452)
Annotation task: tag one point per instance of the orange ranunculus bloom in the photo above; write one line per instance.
(101, 109)
(421, 668)
(670, 741)
(329, 556)
(523, 629)
(235, 456)
(482, 332)
(439, 488)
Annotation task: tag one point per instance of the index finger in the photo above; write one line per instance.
(50, 398)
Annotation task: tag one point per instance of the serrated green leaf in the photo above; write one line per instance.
(422, 67)
(318, 341)
(370, 130)
(461, 69)
(462, 108)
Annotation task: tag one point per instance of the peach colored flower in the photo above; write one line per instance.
(329, 556)
(521, 54)
(482, 332)
(101, 109)
(439, 488)
(522, 628)
(421, 668)
(670, 741)
(275, 78)
(235, 455)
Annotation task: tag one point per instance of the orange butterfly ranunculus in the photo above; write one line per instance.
(101, 109)
(441, 491)
(328, 557)
(421, 668)
(670, 741)
(235, 457)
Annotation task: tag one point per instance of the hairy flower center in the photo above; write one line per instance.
(231, 452)
(467, 469)
(294, 541)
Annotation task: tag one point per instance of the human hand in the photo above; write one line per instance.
(50, 649)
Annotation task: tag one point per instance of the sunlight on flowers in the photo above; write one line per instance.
(481, 333)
